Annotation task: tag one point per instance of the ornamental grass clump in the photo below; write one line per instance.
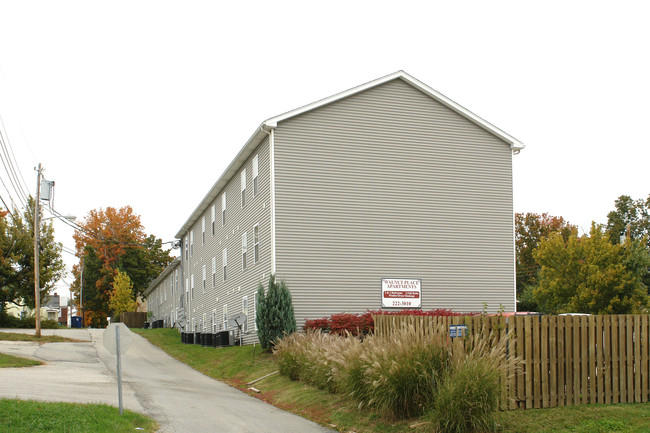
(402, 371)
(469, 395)
(310, 357)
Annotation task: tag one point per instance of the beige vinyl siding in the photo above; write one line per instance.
(240, 282)
(389, 183)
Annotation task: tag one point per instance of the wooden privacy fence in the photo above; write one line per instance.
(565, 360)
(133, 320)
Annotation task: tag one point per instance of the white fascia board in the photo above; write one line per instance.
(513, 142)
(168, 270)
(233, 168)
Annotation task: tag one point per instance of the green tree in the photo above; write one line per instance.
(17, 258)
(630, 218)
(530, 230)
(589, 274)
(122, 299)
(274, 313)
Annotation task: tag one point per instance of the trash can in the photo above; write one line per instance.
(189, 338)
(75, 322)
(207, 339)
(182, 337)
(216, 340)
(197, 338)
(146, 325)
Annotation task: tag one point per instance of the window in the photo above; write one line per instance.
(243, 188)
(255, 174)
(244, 249)
(244, 309)
(223, 210)
(213, 216)
(205, 320)
(171, 285)
(204, 278)
(187, 250)
(203, 231)
(225, 317)
(187, 290)
(225, 262)
(214, 272)
(255, 311)
(214, 321)
(192, 286)
(256, 242)
(191, 243)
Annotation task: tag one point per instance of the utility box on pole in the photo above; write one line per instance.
(46, 189)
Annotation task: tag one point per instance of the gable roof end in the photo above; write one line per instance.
(515, 144)
(262, 131)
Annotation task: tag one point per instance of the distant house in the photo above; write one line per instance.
(162, 295)
(386, 195)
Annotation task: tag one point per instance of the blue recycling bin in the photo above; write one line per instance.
(75, 322)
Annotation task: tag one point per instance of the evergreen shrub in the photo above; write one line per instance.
(274, 313)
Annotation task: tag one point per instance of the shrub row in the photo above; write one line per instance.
(363, 324)
(8, 321)
(408, 374)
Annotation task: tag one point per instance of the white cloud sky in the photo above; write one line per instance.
(145, 103)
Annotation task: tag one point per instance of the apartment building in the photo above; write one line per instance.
(387, 195)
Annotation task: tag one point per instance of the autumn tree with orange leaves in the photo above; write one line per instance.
(112, 241)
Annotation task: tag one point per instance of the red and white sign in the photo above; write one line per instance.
(400, 293)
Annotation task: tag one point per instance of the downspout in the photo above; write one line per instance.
(515, 151)
(270, 131)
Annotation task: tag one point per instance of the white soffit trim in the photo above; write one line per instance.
(513, 142)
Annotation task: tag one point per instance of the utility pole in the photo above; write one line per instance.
(81, 294)
(37, 270)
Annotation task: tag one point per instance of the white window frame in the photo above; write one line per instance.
(214, 321)
(255, 311)
(256, 243)
(205, 320)
(204, 280)
(203, 230)
(244, 309)
(244, 250)
(191, 243)
(225, 318)
(213, 217)
(187, 290)
(256, 163)
(243, 188)
(224, 263)
(214, 272)
(192, 286)
(223, 210)
(187, 248)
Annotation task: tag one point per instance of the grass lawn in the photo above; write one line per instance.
(20, 416)
(239, 365)
(15, 336)
(16, 361)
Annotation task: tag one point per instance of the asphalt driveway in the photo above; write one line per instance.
(178, 397)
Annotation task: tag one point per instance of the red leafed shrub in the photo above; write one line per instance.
(322, 324)
(362, 324)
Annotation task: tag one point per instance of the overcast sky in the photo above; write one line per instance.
(145, 103)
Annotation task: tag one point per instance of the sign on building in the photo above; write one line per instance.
(401, 293)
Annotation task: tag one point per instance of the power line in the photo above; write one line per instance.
(11, 171)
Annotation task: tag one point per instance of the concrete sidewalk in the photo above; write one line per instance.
(178, 397)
